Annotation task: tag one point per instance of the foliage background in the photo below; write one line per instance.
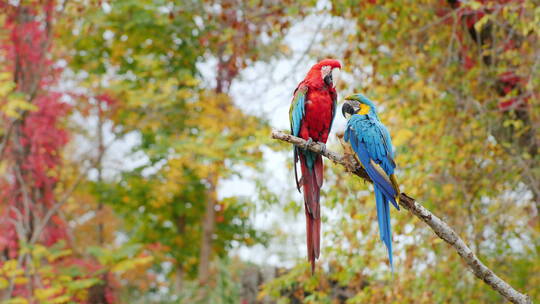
(137, 166)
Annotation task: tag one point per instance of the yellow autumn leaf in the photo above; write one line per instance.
(480, 24)
(15, 273)
(61, 299)
(58, 255)
(448, 188)
(132, 263)
(402, 136)
(5, 76)
(20, 280)
(17, 300)
(359, 216)
(45, 293)
(39, 251)
(9, 265)
(15, 104)
(65, 278)
(3, 283)
(6, 86)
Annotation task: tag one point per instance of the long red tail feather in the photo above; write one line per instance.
(311, 184)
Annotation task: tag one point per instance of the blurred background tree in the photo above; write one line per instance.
(127, 128)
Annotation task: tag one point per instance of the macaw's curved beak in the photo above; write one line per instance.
(350, 107)
(335, 76)
(343, 111)
(332, 78)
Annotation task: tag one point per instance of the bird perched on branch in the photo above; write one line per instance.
(311, 115)
(372, 144)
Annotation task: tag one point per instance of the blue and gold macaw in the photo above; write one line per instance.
(371, 142)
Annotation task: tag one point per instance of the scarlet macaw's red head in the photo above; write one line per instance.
(326, 72)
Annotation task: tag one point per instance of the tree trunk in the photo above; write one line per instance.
(98, 293)
(179, 283)
(181, 229)
(208, 231)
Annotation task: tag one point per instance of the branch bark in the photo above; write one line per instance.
(438, 226)
(209, 226)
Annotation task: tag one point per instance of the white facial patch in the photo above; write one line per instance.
(335, 76)
(325, 70)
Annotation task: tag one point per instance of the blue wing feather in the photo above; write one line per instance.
(378, 179)
(296, 115)
(388, 141)
(369, 144)
(297, 110)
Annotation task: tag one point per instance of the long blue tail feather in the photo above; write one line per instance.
(383, 216)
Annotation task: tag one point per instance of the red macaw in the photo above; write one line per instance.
(312, 112)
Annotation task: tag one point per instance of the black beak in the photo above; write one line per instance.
(349, 107)
(328, 79)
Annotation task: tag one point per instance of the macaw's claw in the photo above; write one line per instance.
(309, 142)
(323, 149)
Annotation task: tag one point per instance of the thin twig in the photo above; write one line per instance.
(5, 140)
(452, 38)
(67, 194)
(43, 223)
(438, 226)
(436, 22)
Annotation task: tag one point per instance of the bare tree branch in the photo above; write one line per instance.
(5, 139)
(438, 226)
(40, 226)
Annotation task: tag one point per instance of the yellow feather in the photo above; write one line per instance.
(364, 109)
(381, 171)
(395, 184)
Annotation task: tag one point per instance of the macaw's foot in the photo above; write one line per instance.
(309, 142)
(323, 149)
